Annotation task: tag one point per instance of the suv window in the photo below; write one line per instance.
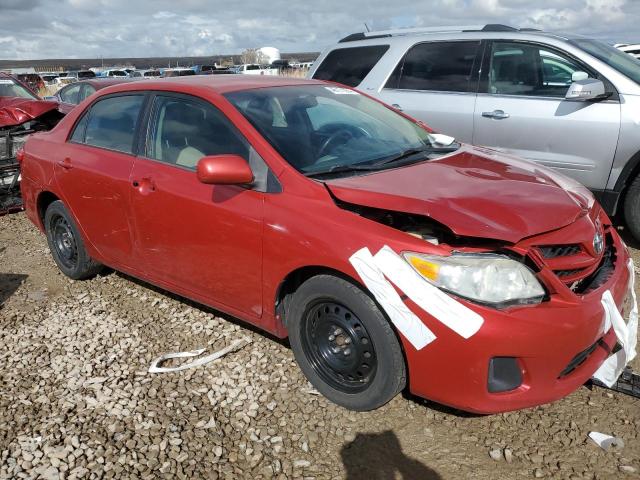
(436, 66)
(71, 94)
(350, 65)
(526, 69)
(112, 123)
(183, 131)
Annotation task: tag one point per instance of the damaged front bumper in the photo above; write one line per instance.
(523, 356)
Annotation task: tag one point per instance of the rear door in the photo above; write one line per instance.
(436, 82)
(522, 110)
(93, 168)
(206, 239)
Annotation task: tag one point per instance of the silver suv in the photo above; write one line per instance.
(568, 102)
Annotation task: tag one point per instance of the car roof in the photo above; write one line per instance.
(218, 83)
(102, 82)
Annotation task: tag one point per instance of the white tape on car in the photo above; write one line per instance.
(462, 320)
(404, 319)
(626, 333)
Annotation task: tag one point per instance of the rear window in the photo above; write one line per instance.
(112, 123)
(437, 66)
(350, 65)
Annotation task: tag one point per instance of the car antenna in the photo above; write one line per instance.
(366, 27)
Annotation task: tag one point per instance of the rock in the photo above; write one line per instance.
(627, 469)
(508, 455)
(301, 463)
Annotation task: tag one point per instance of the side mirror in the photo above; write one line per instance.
(585, 90)
(224, 170)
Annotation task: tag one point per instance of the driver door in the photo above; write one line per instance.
(204, 239)
(523, 111)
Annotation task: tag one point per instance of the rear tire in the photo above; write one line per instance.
(344, 344)
(66, 245)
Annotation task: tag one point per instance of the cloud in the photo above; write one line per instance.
(125, 28)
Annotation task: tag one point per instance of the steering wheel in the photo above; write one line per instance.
(349, 131)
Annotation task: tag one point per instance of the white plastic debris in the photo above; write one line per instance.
(156, 368)
(404, 319)
(605, 441)
(626, 333)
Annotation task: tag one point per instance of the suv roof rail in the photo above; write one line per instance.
(491, 27)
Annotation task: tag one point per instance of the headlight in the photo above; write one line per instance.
(484, 277)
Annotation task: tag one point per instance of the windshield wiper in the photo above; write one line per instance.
(415, 151)
(343, 169)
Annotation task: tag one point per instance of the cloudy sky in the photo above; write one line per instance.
(34, 29)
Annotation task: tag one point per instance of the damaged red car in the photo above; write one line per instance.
(389, 255)
(22, 112)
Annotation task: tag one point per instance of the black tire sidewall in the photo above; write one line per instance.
(82, 268)
(390, 375)
(632, 208)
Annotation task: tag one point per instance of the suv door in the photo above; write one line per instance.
(436, 82)
(92, 169)
(521, 109)
(204, 239)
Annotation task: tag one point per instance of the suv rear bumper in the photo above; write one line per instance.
(544, 338)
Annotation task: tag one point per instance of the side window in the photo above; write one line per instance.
(81, 127)
(71, 94)
(436, 66)
(350, 65)
(526, 69)
(87, 91)
(112, 123)
(183, 131)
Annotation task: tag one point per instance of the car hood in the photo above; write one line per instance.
(16, 111)
(476, 192)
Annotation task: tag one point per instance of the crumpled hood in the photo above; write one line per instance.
(16, 111)
(476, 192)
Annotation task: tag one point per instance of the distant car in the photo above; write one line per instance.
(49, 78)
(62, 81)
(178, 72)
(256, 69)
(145, 73)
(71, 95)
(116, 72)
(81, 74)
(32, 80)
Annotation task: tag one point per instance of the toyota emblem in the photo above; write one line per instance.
(598, 243)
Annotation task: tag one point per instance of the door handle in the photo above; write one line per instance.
(145, 185)
(497, 114)
(396, 106)
(65, 163)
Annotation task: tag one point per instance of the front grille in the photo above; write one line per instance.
(602, 273)
(568, 273)
(553, 251)
(578, 360)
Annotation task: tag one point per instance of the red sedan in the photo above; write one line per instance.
(388, 254)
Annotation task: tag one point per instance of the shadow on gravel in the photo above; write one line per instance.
(9, 283)
(379, 456)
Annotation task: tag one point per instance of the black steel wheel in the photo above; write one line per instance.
(66, 245)
(64, 241)
(339, 347)
(344, 344)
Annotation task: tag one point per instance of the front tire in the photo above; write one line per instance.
(66, 245)
(344, 344)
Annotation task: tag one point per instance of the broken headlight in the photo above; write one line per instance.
(483, 277)
(9, 145)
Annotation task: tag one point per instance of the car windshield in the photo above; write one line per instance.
(621, 61)
(10, 88)
(322, 129)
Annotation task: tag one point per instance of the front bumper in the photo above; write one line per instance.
(558, 345)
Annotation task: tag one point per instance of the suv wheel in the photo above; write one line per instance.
(344, 345)
(66, 244)
(632, 208)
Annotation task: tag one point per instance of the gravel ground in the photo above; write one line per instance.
(76, 400)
